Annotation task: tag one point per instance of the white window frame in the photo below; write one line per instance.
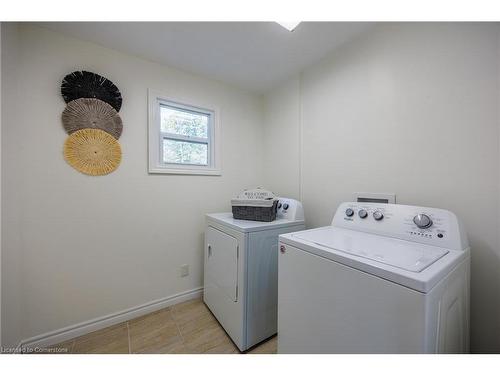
(155, 136)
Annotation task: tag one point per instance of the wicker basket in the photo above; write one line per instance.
(256, 204)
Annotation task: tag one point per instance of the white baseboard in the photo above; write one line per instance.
(70, 332)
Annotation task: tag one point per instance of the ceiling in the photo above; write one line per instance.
(252, 55)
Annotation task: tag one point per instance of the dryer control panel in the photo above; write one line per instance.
(290, 209)
(432, 226)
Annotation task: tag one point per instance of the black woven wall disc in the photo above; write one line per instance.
(82, 84)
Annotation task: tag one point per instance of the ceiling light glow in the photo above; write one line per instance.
(290, 26)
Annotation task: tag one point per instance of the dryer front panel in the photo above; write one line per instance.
(222, 262)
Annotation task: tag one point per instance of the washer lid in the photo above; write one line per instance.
(394, 252)
(385, 257)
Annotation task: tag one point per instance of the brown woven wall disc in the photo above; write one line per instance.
(91, 113)
(92, 151)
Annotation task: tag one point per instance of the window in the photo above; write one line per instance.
(182, 137)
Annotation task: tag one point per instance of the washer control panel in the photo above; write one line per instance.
(431, 226)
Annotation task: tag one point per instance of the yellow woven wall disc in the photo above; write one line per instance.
(92, 151)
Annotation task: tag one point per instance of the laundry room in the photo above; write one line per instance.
(249, 187)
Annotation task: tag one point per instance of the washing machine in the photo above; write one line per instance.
(383, 278)
(241, 271)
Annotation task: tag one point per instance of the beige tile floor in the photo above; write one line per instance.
(186, 328)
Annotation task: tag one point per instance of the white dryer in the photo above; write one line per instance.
(241, 271)
(383, 278)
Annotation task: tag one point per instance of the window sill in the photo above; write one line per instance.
(186, 171)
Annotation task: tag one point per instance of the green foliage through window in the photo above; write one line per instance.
(178, 127)
(184, 123)
(185, 152)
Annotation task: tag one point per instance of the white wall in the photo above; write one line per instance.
(10, 262)
(85, 246)
(410, 109)
(0, 183)
(281, 139)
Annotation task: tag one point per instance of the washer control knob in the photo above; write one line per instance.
(285, 206)
(377, 215)
(422, 221)
(282, 249)
(349, 212)
(362, 214)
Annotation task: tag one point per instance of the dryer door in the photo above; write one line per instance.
(222, 261)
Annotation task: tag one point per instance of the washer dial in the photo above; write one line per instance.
(422, 221)
(377, 215)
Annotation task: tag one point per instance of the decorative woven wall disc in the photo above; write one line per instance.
(85, 84)
(91, 113)
(92, 151)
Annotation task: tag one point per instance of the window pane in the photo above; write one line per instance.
(185, 123)
(185, 152)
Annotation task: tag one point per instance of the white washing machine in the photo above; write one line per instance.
(383, 278)
(241, 271)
